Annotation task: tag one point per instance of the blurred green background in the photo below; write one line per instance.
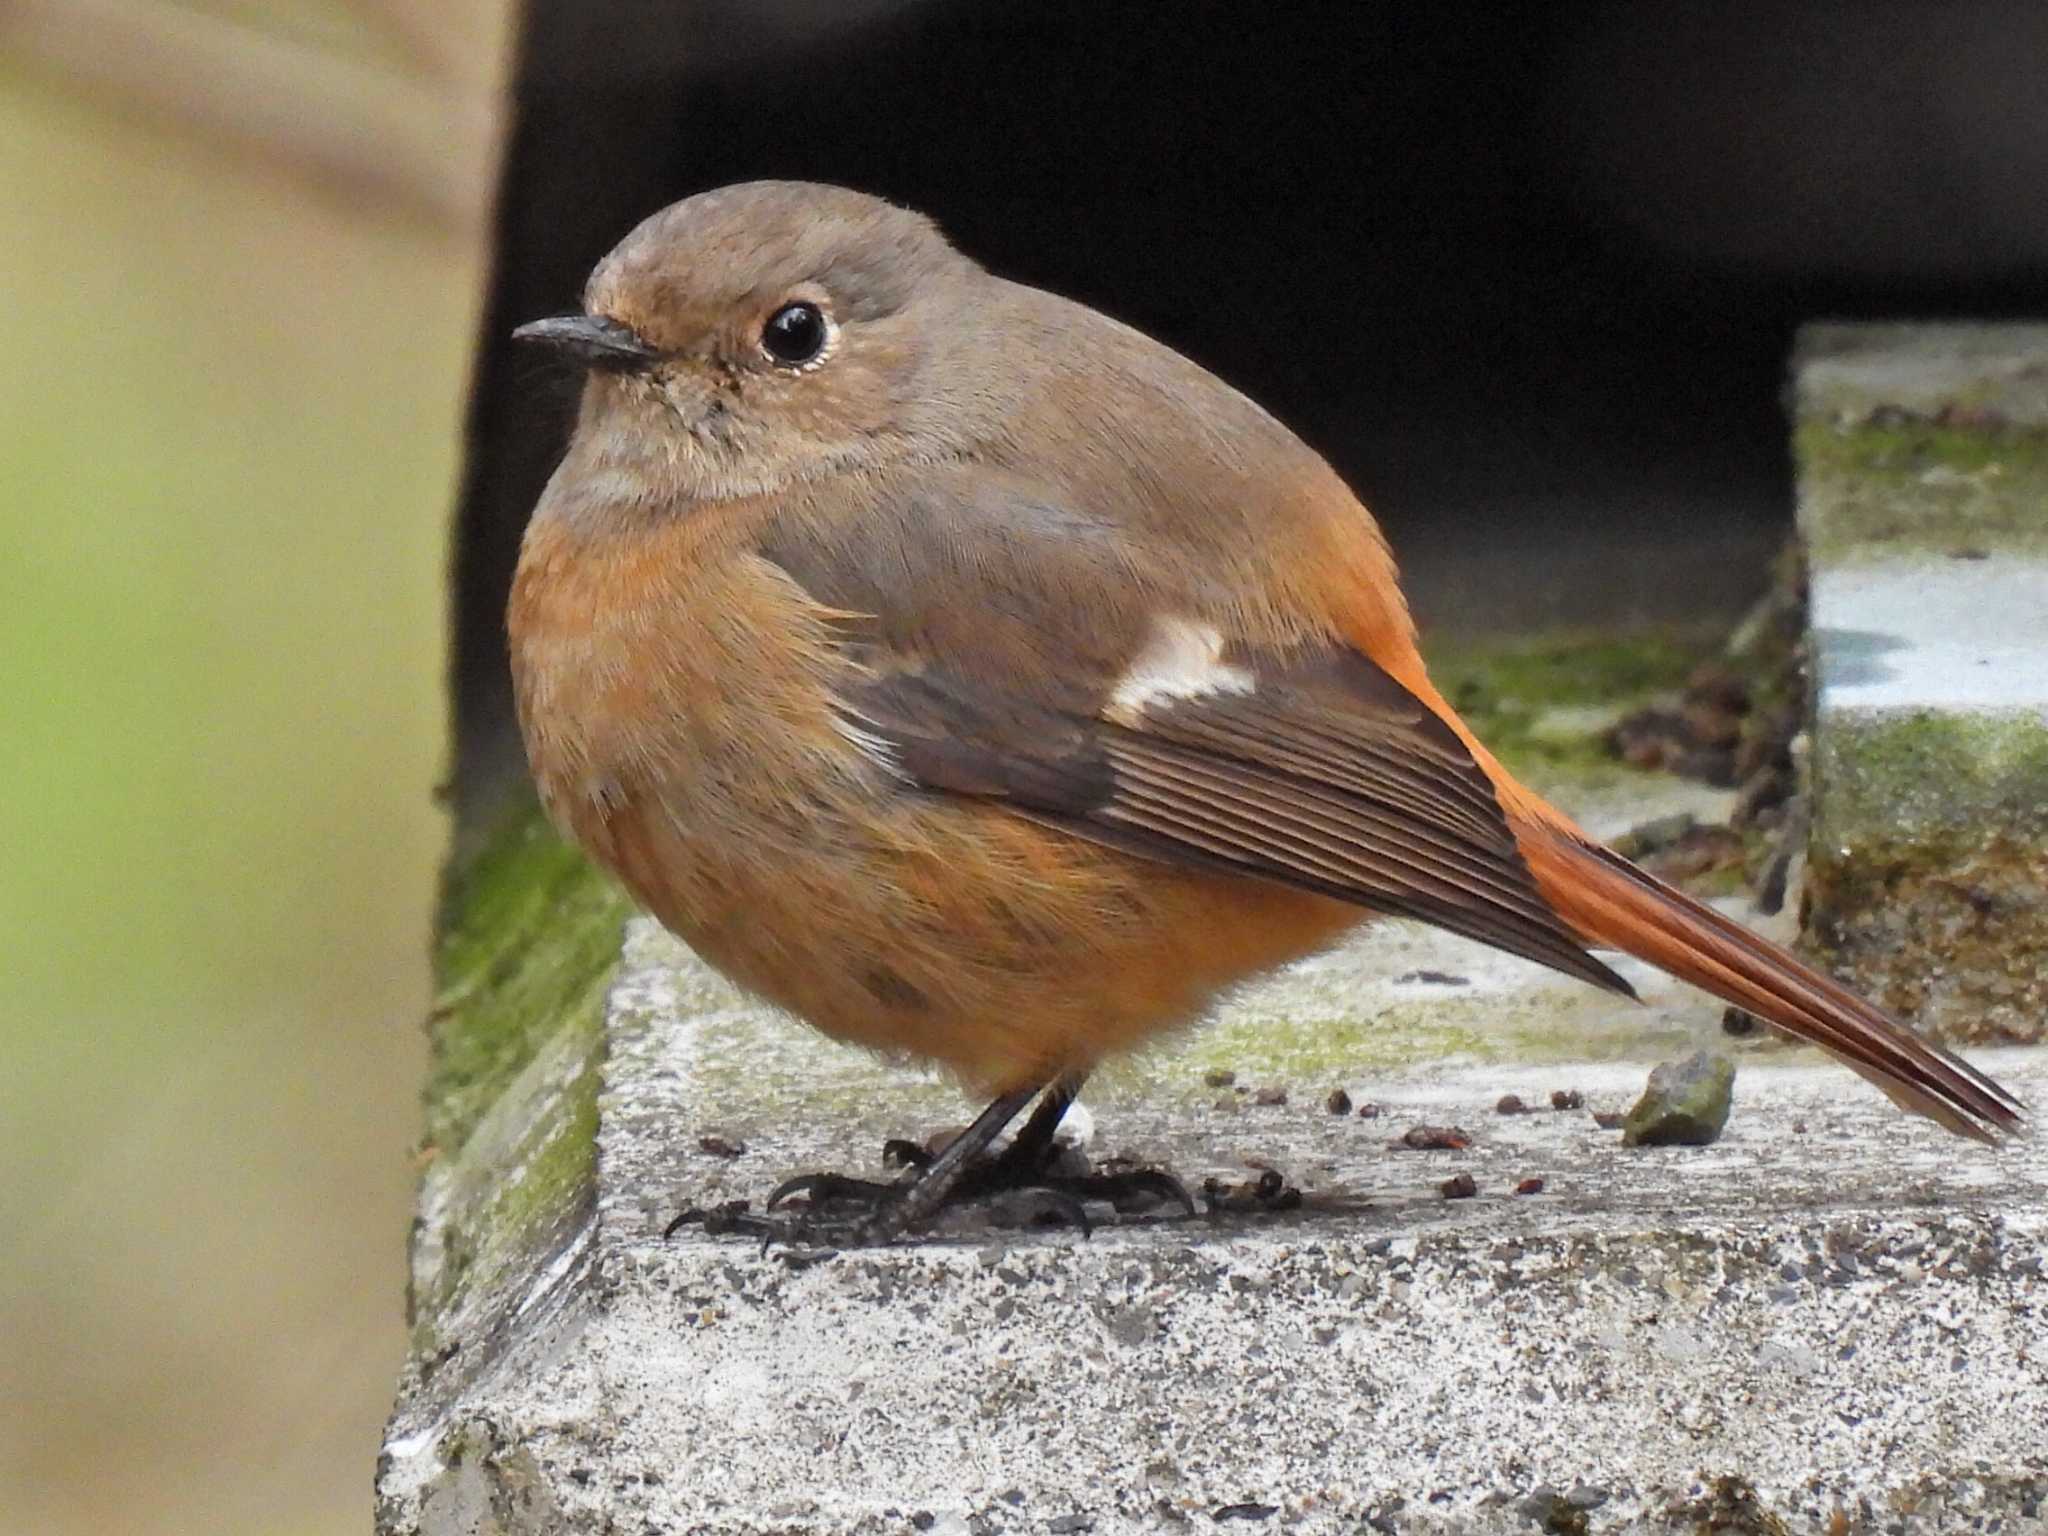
(229, 413)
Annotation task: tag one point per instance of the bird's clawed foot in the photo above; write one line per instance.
(1031, 1183)
(820, 1211)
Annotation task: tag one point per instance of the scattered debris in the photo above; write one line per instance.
(1219, 1077)
(1529, 1187)
(1245, 1511)
(1553, 1512)
(1682, 848)
(1270, 1191)
(1567, 1098)
(1698, 738)
(1459, 1186)
(1270, 1096)
(719, 1145)
(902, 1152)
(1433, 979)
(1685, 1104)
(1510, 1104)
(1739, 1022)
(1728, 1504)
(1433, 1138)
(1338, 1103)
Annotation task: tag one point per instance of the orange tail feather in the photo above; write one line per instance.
(1612, 902)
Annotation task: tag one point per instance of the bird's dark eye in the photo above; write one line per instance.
(794, 334)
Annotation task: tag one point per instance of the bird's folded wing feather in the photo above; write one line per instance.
(1159, 734)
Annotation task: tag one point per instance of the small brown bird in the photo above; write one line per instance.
(982, 681)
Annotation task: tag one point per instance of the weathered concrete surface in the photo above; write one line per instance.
(1769, 1328)
(1923, 502)
(1837, 1308)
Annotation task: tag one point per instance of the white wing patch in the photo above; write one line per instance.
(1183, 660)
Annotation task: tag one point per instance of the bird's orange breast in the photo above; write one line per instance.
(675, 692)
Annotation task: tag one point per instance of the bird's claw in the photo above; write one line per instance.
(838, 1211)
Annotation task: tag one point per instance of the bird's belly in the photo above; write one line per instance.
(959, 933)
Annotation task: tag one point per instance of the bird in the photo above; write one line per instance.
(987, 684)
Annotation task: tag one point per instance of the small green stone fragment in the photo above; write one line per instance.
(1685, 1104)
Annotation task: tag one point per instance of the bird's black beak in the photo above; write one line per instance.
(590, 339)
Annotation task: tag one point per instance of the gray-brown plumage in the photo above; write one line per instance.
(989, 683)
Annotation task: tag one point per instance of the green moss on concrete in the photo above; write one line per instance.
(522, 1187)
(529, 937)
(1927, 877)
(1512, 695)
(1292, 1045)
(1890, 484)
(1931, 783)
(529, 940)
(559, 1172)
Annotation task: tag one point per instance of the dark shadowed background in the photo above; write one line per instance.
(1526, 271)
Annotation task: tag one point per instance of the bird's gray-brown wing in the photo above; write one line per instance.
(1009, 647)
(1321, 772)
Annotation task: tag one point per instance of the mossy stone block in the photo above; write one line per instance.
(1927, 439)
(1923, 502)
(529, 938)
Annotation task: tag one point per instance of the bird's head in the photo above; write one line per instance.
(750, 338)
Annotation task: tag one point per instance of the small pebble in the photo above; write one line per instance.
(1368, 1111)
(1270, 1096)
(1219, 1077)
(721, 1146)
(1433, 1138)
(1224, 1101)
(1685, 1103)
(1567, 1098)
(1459, 1186)
(1529, 1187)
(1338, 1103)
(1510, 1104)
(1608, 1119)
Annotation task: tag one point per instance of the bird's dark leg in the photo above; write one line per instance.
(942, 1176)
(1029, 1153)
(1031, 1163)
(1031, 1150)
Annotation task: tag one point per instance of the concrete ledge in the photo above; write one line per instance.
(1832, 1310)
(1923, 503)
